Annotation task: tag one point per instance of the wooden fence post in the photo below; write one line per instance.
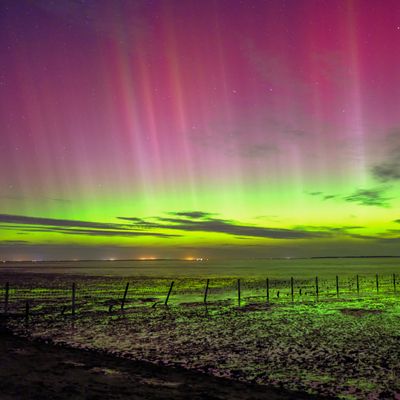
(206, 291)
(292, 288)
(6, 297)
(124, 298)
(238, 289)
(316, 287)
(267, 290)
(358, 286)
(73, 298)
(169, 292)
(377, 283)
(337, 286)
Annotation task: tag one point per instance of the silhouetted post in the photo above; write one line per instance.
(73, 298)
(169, 292)
(238, 289)
(394, 283)
(316, 287)
(267, 290)
(125, 294)
(27, 311)
(358, 286)
(206, 291)
(6, 297)
(292, 288)
(377, 283)
(337, 286)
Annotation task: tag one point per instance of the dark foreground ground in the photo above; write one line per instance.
(37, 370)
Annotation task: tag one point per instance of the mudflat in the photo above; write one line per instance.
(40, 370)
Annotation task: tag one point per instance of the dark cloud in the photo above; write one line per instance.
(365, 197)
(72, 227)
(180, 220)
(161, 226)
(131, 219)
(315, 193)
(364, 237)
(22, 219)
(97, 232)
(329, 196)
(207, 223)
(387, 171)
(215, 225)
(341, 231)
(192, 214)
(322, 195)
(255, 135)
(369, 197)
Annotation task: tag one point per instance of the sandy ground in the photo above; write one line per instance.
(38, 370)
(345, 348)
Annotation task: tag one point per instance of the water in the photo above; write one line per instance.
(274, 269)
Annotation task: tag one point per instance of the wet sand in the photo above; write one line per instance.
(39, 370)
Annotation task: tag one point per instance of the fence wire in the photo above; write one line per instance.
(99, 294)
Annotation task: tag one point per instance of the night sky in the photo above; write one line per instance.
(199, 128)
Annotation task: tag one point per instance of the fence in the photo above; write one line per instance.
(46, 296)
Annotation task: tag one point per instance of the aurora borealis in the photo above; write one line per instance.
(199, 128)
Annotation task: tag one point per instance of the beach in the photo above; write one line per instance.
(331, 344)
(40, 370)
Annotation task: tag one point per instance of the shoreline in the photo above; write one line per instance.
(32, 369)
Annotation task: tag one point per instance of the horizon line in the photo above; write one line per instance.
(198, 259)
